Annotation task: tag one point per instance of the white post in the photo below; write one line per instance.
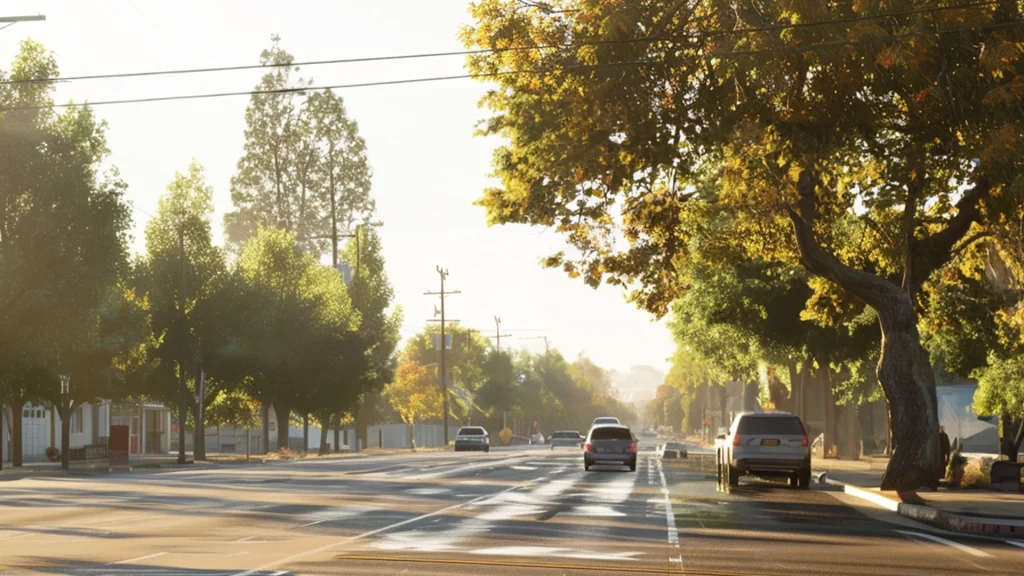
(142, 433)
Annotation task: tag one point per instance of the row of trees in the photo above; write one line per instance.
(860, 160)
(219, 334)
(485, 387)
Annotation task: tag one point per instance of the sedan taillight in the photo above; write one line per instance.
(804, 442)
(588, 447)
(632, 447)
(736, 441)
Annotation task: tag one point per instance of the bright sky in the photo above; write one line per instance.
(428, 168)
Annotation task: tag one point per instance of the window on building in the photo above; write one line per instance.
(76, 421)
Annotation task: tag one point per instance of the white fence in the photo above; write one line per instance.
(428, 434)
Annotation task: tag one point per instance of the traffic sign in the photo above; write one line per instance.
(447, 341)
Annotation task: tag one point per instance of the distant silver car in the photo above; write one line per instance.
(765, 444)
(674, 450)
(472, 438)
(605, 420)
(537, 438)
(566, 439)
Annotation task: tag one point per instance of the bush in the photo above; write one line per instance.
(977, 473)
(53, 454)
(955, 468)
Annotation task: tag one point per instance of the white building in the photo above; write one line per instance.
(90, 426)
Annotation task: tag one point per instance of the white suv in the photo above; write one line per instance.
(765, 444)
(603, 420)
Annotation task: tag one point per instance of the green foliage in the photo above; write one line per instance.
(234, 409)
(1001, 388)
(413, 394)
(63, 244)
(304, 167)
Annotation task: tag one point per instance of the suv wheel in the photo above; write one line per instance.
(734, 475)
(804, 479)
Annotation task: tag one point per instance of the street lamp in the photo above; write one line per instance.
(65, 426)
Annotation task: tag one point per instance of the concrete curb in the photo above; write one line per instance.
(949, 521)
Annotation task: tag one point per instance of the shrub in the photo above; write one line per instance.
(955, 468)
(977, 473)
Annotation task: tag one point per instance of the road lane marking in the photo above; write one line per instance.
(1017, 544)
(326, 547)
(542, 551)
(131, 560)
(961, 547)
(670, 518)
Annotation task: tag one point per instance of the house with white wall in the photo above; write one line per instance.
(89, 426)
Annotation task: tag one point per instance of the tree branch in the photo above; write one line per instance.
(875, 291)
(933, 252)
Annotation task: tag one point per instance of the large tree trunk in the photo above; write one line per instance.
(182, 417)
(904, 371)
(266, 428)
(828, 410)
(283, 415)
(322, 449)
(305, 433)
(336, 426)
(17, 444)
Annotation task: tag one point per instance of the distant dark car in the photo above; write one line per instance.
(472, 438)
(566, 439)
(674, 450)
(610, 444)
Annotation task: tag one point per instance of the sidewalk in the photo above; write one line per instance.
(973, 510)
(88, 468)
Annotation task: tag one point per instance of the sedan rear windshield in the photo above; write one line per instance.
(471, 432)
(566, 435)
(611, 433)
(771, 425)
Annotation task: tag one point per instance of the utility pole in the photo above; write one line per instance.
(443, 273)
(497, 333)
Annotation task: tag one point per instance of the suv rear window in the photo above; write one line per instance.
(569, 435)
(470, 432)
(771, 425)
(611, 433)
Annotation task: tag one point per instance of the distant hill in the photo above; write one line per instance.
(638, 385)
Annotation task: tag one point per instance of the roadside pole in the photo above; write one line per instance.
(443, 273)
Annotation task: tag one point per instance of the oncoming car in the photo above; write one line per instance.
(472, 438)
(768, 444)
(602, 420)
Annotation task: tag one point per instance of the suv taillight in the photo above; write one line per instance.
(588, 447)
(632, 447)
(804, 442)
(736, 440)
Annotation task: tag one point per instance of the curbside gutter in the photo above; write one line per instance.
(949, 521)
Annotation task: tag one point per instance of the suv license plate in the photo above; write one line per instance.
(770, 442)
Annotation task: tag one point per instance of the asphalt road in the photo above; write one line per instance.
(526, 511)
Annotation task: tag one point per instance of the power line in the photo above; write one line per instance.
(304, 89)
(281, 91)
(426, 55)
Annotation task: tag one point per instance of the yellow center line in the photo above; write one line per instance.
(545, 565)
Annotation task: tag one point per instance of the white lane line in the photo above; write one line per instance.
(130, 560)
(1017, 544)
(961, 547)
(327, 547)
(670, 518)
(244, 539)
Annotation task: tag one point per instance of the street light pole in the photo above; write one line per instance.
(65, 426)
